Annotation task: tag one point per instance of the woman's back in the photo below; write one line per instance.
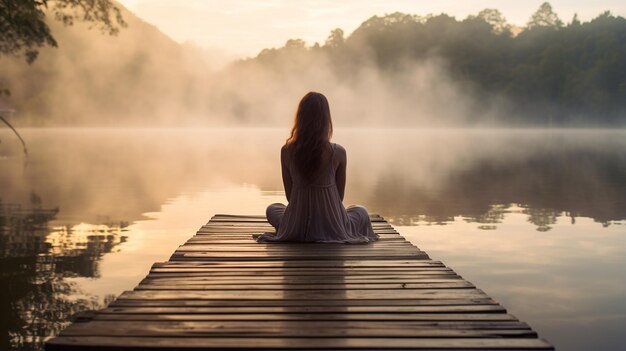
(315, 212)
(323, 176)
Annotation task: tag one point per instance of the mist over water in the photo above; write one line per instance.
(529, 216)
(402, 171)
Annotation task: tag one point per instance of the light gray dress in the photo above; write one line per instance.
(316, 214)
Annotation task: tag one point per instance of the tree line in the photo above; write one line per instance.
(550, 72)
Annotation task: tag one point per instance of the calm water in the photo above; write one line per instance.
(537, 219)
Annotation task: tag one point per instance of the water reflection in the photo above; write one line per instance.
(570, 179)
(568, 283)
(93, 209)
(37, 301)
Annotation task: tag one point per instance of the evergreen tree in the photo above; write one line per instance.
(544, 17)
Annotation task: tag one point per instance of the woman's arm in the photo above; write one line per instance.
(284, 165)
(340, 173)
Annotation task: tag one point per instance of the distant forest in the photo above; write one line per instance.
(550, 72)
(396, 70)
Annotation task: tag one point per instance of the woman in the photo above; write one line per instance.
(314, 176)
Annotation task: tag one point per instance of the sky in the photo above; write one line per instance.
(239, 28)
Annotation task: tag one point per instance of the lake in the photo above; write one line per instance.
(535, 218)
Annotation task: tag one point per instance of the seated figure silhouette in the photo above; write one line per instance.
(314, 177)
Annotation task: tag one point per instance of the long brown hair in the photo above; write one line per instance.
(311, 134)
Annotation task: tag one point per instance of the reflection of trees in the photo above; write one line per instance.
(76, 250)
(36, 304)
(36, 300)
(541, 217)
(23, 233)
(587, 183)
(494, 215)
(408, 219)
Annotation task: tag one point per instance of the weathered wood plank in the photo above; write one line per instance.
(212, 329)
(193, 272)
(311, 263)
(297, 280)
(347, 286)
(222, 290)
(241, 343)
(301, 303)
(310, 316)
(307, 309)
(400, 294)
(269, 248)
(348, 271)
(381, 325)
(237, 256)
(335, 251)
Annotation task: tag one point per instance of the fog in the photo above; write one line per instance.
(91, 174)
(142, 78)
(419, 95)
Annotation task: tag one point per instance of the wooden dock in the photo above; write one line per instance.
(222, 290)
